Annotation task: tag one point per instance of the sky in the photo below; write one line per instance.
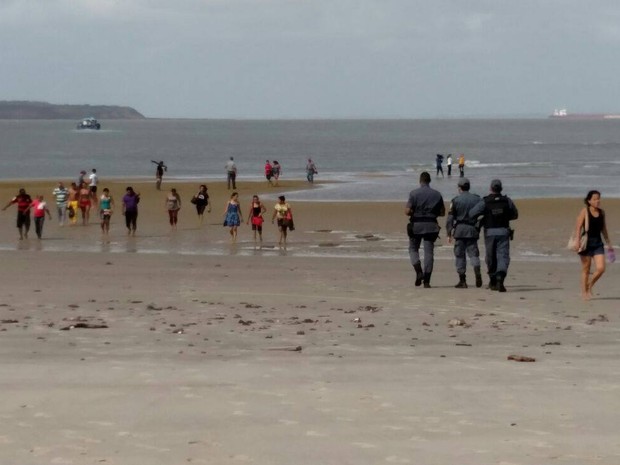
(314, 58)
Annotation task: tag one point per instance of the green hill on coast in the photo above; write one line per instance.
(44, 110)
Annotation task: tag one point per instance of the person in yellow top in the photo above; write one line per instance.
(282, 211)
(462, 165)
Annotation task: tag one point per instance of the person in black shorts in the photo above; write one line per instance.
(23, 201)
(255, 215)
(201, 200)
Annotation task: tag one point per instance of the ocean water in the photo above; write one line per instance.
(372, 159)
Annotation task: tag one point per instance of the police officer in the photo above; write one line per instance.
(497, 211)
(463, 230)
(423, 207)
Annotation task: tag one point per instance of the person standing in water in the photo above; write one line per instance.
(438, 163)
(269, 172)
(449, 164)
(462, 165)
(310, 171)
(277, 171)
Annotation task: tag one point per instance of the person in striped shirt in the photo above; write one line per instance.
(61, 195)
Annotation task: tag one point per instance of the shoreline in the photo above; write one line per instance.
(324, 229)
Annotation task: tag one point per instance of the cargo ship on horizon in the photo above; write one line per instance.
(562, 113)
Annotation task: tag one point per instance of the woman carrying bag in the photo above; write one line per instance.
(590, 229)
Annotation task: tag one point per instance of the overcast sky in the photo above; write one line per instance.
(314, 58)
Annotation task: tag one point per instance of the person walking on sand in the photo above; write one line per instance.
(424, 206)
(449, 164)
(61, 196)
(591, 221)
(23, 202)
(159, 173)
(438, 163)
(497, 212)
(255, 215)
(93, 180)
(462, 230)
(201, 200)
(310, 171)
(81, 178)
(106, 205)
(268, 172)
(39, 207)
(284, 214)
(232, 216)
(173, 205)
(231, 173)
(277, 171)
(462, 165)
(85, 203)
(130, 210)
(73, 203)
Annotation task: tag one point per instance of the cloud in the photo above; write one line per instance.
(295, 57)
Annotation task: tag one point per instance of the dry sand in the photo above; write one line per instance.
(234, 355)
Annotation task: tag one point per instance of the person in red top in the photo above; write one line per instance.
(269, 172)
(23, 202)
(39, 207)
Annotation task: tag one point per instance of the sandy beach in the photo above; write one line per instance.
(178, 347)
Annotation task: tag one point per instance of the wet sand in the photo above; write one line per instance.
(163, 356)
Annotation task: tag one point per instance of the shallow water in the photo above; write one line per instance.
(376, 160)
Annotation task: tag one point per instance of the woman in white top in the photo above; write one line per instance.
(173, 205)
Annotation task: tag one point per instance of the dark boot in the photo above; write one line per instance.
(419, 276)
(427, 280)
(462, 284)
(478, 276)
(492, 283)
(500, 284)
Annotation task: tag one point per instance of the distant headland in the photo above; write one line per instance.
(44, 110)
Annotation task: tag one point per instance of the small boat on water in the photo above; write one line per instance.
(89, 123)
(562, 113)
